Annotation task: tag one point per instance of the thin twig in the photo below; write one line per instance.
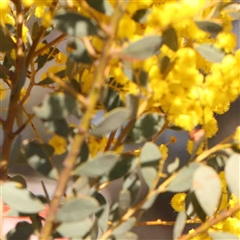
(76, 143)
(21, 128)
(45, 192)
(72, 91)
(205, 226)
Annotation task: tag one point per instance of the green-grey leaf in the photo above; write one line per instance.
(145, 128)
(112, 100)
(223, 235)
(73, 24)
(210, 52)
(55, 106)
(150, 154)
(140, 15)
(124, 201)
(170, 38)
(19, 179)
(111, 121)
(125, 164)
(179, 225)
(7, 43)
(232, 173)
(23, 230)
(207, 188)
(58, 126)
(150, 201)
(149, 174)
(209, 26)
(132, 102)
(102, 6)
(124, 226)
(143, 48)
(48, 80)
(183, 181)
(80, 53)
(38, 157)
(164, 64)
(77, 209)
(75, 229)
(98, 166)
(20, 199)
(173, 166)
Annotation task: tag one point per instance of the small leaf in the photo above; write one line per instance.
(35, 29)
(23, 231)
(125, 164)
(173, 166)
(55, 106)
(38, 157)
(207, 188)
(19, 179)
(58, 126)
(223, 235)
(98, 166)
(125, 226)
(124, 201)
(143, 48)
(75, 229)
(111, 121)
(165, 64)
(150, 201)
(232, 173)
(170, 38)
(209, 26)
(179, 225)
(145, 128)
(79, 53)
(84, 153)
(183, 181)
(102, 6)
(48, 80)
(18, 198)
(132, 103)
(150, 157)
(77, 209)
(133, 184)
(140, 15)
(150, 154)
(112, 100)
(7, 43)
(210, 52)
(233, 10)
(73, 24)
(217, 162)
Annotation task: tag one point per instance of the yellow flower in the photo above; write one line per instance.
(173, 139)
(164, 151)
(232, 225)
(178, 202)
(60, 58)
(40, 11)
(28, 3)
(190, 144)
(24, 33)
(127, 27)
(41, 45)
(236, 135)
(96, 145)
(210, 127)
(3, 93)
(8, 19)
(86, 81)
(47, 19)
(23, 93)
(59, 144)
(13, 54)
(233, 202)
(202, 236)
(227, 41)
(4, 7)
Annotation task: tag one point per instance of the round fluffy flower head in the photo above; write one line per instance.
(59, 144)
(8, 19)
(202, 236)
(4, 7)
(178, 202)
(232, 225)
(227, 41)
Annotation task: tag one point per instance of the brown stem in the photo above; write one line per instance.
(14, 97)
(205, 226)
(99, 76)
